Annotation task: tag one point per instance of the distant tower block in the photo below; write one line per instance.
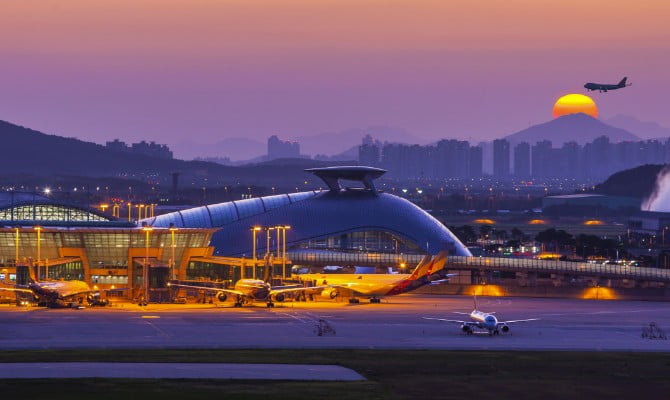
(175, 182)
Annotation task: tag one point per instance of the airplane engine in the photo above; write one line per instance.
(505, 328)
(466, 329)
(280, 297)
(330, 293)
(221, 296)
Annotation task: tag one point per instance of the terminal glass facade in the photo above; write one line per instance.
(49, 212)
(364, 241)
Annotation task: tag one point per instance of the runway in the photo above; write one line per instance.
(565, 324)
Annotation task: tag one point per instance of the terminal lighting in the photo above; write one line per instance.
(47, 190)
(594, 222)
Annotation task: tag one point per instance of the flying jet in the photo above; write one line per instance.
(604, 87)
(482, 320)
(374, 286)
(59, 294)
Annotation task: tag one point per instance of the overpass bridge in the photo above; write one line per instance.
(486, 264)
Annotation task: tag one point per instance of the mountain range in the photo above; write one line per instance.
(337, 145)
(28, 153)
(580, 128)
(643, 129)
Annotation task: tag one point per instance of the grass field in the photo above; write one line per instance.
(392, 374)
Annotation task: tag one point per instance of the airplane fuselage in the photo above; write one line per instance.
(255, 289)
(369, 284)
(484, 320)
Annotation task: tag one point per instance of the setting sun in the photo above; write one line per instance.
(575, 103)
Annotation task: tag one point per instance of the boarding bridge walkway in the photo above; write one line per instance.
(521, 265)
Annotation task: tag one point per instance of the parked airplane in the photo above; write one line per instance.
(482, 320)
(249, 290)
(60, 294)
(376, 286)
(604, 87)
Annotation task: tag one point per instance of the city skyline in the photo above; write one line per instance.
(211, 70)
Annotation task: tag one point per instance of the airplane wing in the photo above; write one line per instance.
(293, 289)
(518, 320)
(445, 279)
(21, 290)
(461, 313)
(449, 320)
(229, 291)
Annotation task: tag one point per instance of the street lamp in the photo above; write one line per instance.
(16, 240)
(130, 210)
(140, 208)
(173, 229)
(283, 257)
(38, 229)
(254, 230)
(267, 241)
(145, 273)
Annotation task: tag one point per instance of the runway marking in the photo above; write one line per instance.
(150, 316)
(161, 332)
(599, 312)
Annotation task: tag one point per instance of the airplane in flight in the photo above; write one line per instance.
(374, 286)
(59, 294)
(482, 320)
(604, 87)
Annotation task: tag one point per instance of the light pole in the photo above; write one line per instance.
(130, 210)
(254, 230)
(16, 240)
(38, 229)
(173, 229)
(145, 273)
(267, 241)
(283, 257)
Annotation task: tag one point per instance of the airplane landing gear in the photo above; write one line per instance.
(354, 301)
(270, 304)
(375, 300)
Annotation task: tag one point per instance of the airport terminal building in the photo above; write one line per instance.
(217, 242)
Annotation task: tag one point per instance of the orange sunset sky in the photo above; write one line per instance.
(206, 69)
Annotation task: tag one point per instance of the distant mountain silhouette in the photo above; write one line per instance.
(635, 182)
(643, 129)
(29, 153)
(334, 143)
(235, 148)
(580, 128)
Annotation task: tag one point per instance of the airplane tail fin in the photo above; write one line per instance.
(623, 82)
(24, 275)
(429, 265)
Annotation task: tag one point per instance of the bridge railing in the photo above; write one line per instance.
(485, 263)
(559, 267)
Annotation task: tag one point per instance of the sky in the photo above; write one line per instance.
(206, 70)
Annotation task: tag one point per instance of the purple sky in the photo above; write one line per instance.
(204, 70)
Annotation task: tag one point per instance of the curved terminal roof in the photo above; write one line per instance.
(314, 215)
(31, 209)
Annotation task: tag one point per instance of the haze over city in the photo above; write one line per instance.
(198, 72)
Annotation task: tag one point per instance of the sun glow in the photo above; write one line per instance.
(575, 103)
